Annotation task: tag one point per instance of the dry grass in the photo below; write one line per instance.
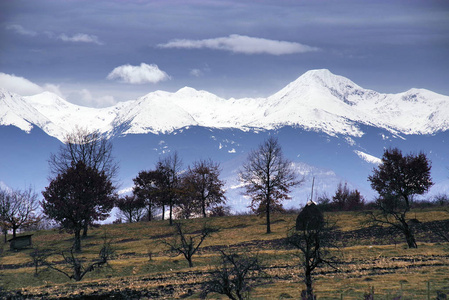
(389, 268)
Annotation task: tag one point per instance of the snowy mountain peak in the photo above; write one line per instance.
(318, 100)
(187, 91)
(325, 78)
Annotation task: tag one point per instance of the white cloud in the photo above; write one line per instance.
(19, 85)
(81, 38)
(242, 44)
(76, 38)
(138, 74)
(21, 30)
(85, 97)
(196, 72)
(25, 87)
(54, 89)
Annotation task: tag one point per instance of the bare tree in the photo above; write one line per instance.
(131, 207)
(90, 147)
(170, 167)
(149, 187)
(188, 244)
(5, 204)
(39, 257)
(17, 209)
(202, 185)
(397, 180)
(232, 277)
(75, 267)
(87, 146)
(313, 237)
(268, 178)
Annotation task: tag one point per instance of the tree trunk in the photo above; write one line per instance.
(308, 282)
(411, 242)
(268, 216)
(163, 212)
(77, 273)
(149, 213)
(5, 232)
(171, 212)
(408, 232)
(204, 207)
(77, 242)
(14, 229)
(85, 228)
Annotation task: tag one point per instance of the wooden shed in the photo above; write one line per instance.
(20, 242)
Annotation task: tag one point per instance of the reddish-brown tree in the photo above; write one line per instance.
(396, 180)
(90, 147)
(345, 199)
(80, 192)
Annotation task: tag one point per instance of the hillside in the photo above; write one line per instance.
(368, 259)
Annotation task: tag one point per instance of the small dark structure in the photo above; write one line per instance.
(310, 218)
(20, 242)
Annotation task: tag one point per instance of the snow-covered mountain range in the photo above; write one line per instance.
(331, 128)
(318, 101)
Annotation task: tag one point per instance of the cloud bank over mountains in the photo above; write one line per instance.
(25, 87)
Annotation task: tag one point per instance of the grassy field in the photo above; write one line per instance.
(144, 268)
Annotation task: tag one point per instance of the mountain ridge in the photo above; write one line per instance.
(318, 100)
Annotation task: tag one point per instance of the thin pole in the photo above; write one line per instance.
(313, 183)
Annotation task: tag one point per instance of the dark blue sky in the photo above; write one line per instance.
(96, 53)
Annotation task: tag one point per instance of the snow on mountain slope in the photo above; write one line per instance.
(318, 100)
(155, 113)
(14, 110)
(368, 158)
(417, 111)
(66, 116)
(310, 102)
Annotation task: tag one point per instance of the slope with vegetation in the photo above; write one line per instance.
(369, 259)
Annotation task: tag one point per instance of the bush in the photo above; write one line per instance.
(441, 200)
(220, 211)
(343, 200)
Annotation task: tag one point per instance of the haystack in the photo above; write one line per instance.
(310, 218)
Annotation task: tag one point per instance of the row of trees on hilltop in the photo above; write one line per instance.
(267, 177)
(82, 191)
(193, 192)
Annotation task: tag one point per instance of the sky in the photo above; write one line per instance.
(98, 53)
